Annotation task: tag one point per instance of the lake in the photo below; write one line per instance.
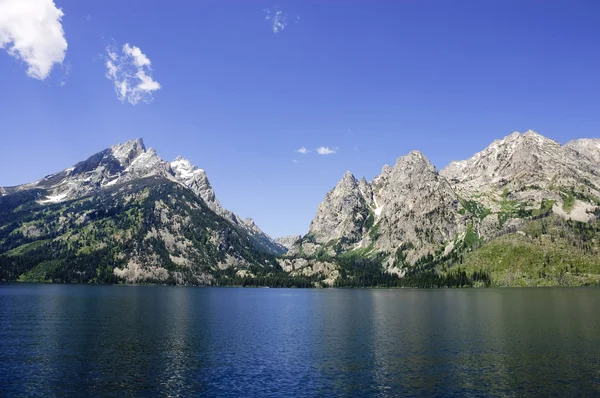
(79, 340)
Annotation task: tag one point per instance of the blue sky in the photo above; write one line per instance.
(371, 80)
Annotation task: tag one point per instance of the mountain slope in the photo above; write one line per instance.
(524, 211)
(416, 223)
(131, 161)
(124, 214)
(528, 169)
(146, 230)
(405, 213)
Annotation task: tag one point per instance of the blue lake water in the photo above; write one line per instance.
(73, 340)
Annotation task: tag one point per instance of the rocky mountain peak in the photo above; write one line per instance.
(516, 153)
(145, 164)
(131, 161)
(534, 169)
(341, 213)
(125, 153)
(348, 181)
(415, 161)
(195, 179)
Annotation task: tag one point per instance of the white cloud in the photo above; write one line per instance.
(277, 19)
(31, 31)
(131, 74)
(303, 150)
(295, 160)
(323, 150)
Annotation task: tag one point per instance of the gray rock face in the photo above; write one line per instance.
(195, 179)
(342, 214)
(412, 206)
(415, 204)
(586, 147)
(128, 162)
(407, 203)
(529, 168)
(288, 241)
(513, 162)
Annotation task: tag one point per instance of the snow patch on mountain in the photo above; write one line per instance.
(129, 161)
(54, 198)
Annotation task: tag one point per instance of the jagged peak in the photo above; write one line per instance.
(181, 161)
(349, 175)
(537, 137)
(529, 134)
(144, 157)
(347, 180)
(413, 157)
(126, 152)
(135, 143)
(510, 142)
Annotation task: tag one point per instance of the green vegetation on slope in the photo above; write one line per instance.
(553, 252)
(511, 209)
(475, 208)
(153, 221)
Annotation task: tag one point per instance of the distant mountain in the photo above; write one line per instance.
(412, 219)
(287, 241)
(125, 214)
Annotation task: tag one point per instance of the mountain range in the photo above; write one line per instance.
(524, 211)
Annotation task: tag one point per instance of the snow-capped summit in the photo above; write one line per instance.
(129, 161)
(184, 168)
(197, 180)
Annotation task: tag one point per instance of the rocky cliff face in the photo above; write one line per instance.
(410, 211)
(528, 169)
(588, 148)
(408, 205)
(342, 214)
(196, 179)
(415, 206)
(288, 241)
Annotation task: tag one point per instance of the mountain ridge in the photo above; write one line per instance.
(131, 160)
(411, 225)
(412, 212)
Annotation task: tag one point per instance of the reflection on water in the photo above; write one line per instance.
(149, 340)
